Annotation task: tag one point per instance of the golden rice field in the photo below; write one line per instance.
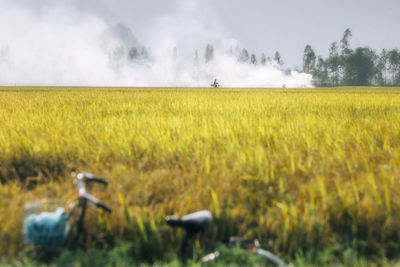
(297, 169)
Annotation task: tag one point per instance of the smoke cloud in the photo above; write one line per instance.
(62, 44)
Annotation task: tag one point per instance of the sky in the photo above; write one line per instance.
(74, 42)
(288, 25)
(267, 26)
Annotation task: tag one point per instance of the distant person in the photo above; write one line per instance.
(215, 84)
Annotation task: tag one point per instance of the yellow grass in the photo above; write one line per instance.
(297, 169)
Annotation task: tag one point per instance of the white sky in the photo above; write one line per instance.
(267, 25)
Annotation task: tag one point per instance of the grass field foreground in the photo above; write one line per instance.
(299, 169)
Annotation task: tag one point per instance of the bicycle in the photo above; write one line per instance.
(47, 230)
(197, 222)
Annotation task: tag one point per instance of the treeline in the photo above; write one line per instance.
(135, 54)
(345, 66)
(241, 54)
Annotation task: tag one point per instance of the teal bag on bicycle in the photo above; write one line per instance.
(46, 228)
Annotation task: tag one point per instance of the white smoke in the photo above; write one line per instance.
(61, 44)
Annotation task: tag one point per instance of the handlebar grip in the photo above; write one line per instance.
(98, 180)
(88, 177)
(104, 207)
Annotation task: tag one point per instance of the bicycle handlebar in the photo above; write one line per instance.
(99, 180)
(104, 207)
(88, 177)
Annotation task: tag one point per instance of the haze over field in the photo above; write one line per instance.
(54, 43)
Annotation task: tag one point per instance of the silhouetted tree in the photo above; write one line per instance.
(333, 64)
(209, 54)
(253, 59)
(345, 42)
(287, 71)
(143, 53)
(196, 57)
(381, 68)
(133, 53)
(244, 56)
(320, 74)
(263, 59)
(359, 68)
(345, 66)
(394, 66)
(278, 59)
(309, 59)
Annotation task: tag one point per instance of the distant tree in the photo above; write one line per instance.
(333, 64)
(196, 57)
(133, 53)
(309, 59)
(237, 51)
(320, 74)
(359, 68)
(345, 42)
(394, 65)
(253, 59)
(287, 71)
(244, 55)
(263, 60)
(209, 54)
(381, 68)
(297, 69)
(175, 53)
(143, 53)
(278, 59)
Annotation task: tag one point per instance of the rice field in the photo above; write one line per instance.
(298, 169)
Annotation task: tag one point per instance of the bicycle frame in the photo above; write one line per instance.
(84, 198)
(250, 245)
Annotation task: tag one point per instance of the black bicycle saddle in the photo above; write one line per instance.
(193, 223)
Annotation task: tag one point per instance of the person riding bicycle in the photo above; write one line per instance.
(215, 84)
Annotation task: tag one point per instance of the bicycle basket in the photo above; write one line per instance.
(45, 228)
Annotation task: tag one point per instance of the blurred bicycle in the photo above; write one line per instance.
(197, 222)
(47, 223)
